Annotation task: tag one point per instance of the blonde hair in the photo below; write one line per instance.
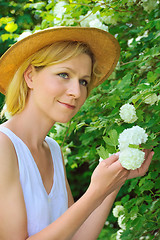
(56, 53)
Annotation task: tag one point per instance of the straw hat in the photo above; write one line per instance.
(103, 45)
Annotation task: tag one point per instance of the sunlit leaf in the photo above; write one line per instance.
(11, 27)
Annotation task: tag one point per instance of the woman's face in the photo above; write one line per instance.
(58, 91)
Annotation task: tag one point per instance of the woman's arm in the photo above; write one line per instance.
(107, 177)
(92, 227)
(13, 219)
(95, 222)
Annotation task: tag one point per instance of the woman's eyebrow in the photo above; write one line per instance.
(72, 70)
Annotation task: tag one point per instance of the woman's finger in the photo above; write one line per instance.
(113, 158)
(147, 161)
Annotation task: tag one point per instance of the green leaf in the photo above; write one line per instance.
(112, 140)
(133, 146)
(139, 114)
(125, 199)
(157, 24)
(133, 184)
(103, 153)
(108, 141)
(134, 210)
(11, 27)
(151, 76)
(37, 5)
(126, 81)
(5, 20)
(6, 36)
(148, 185)
(157, 70)
(113, 136)
(135, 98)
(96, 9)
(157, 183)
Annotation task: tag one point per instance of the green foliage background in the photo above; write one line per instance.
(136, 25)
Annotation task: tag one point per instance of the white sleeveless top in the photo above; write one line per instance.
(42, 208)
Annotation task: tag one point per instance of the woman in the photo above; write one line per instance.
(46, 78)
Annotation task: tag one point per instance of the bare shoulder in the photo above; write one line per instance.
(8, 159)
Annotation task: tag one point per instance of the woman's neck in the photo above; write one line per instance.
(30, 127)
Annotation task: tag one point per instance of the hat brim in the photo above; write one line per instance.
(104, 46)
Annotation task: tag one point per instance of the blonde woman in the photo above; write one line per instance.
(46, 78)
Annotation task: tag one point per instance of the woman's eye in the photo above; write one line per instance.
(63, 75)
(83, 82)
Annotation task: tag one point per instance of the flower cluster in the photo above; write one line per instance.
(119, 212)
(128, 113)
(131, 157)
(92, 20)
(118, 236)
(117, 209)
(135, 135)
(151, 99)
(121, 224)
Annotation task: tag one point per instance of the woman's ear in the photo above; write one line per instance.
(28, 76)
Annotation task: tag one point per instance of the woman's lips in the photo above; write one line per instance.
(67, 105)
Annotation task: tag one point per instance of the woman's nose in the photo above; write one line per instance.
(74, 89)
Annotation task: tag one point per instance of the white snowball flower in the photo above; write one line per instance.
(98, 24)
(131, 158)
(59, 9)
(117, 209)
(89, 17)
(135, 135)
(121, 224)
(151, 99)
(95, 23)
(128, 113)
(92, 20)
(118, 236)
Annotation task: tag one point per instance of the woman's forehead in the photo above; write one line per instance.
(81, 63)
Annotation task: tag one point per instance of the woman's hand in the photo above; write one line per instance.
(108, 176)
(144, 168)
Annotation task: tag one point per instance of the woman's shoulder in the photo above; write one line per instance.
(8, 156)
(5, 142)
